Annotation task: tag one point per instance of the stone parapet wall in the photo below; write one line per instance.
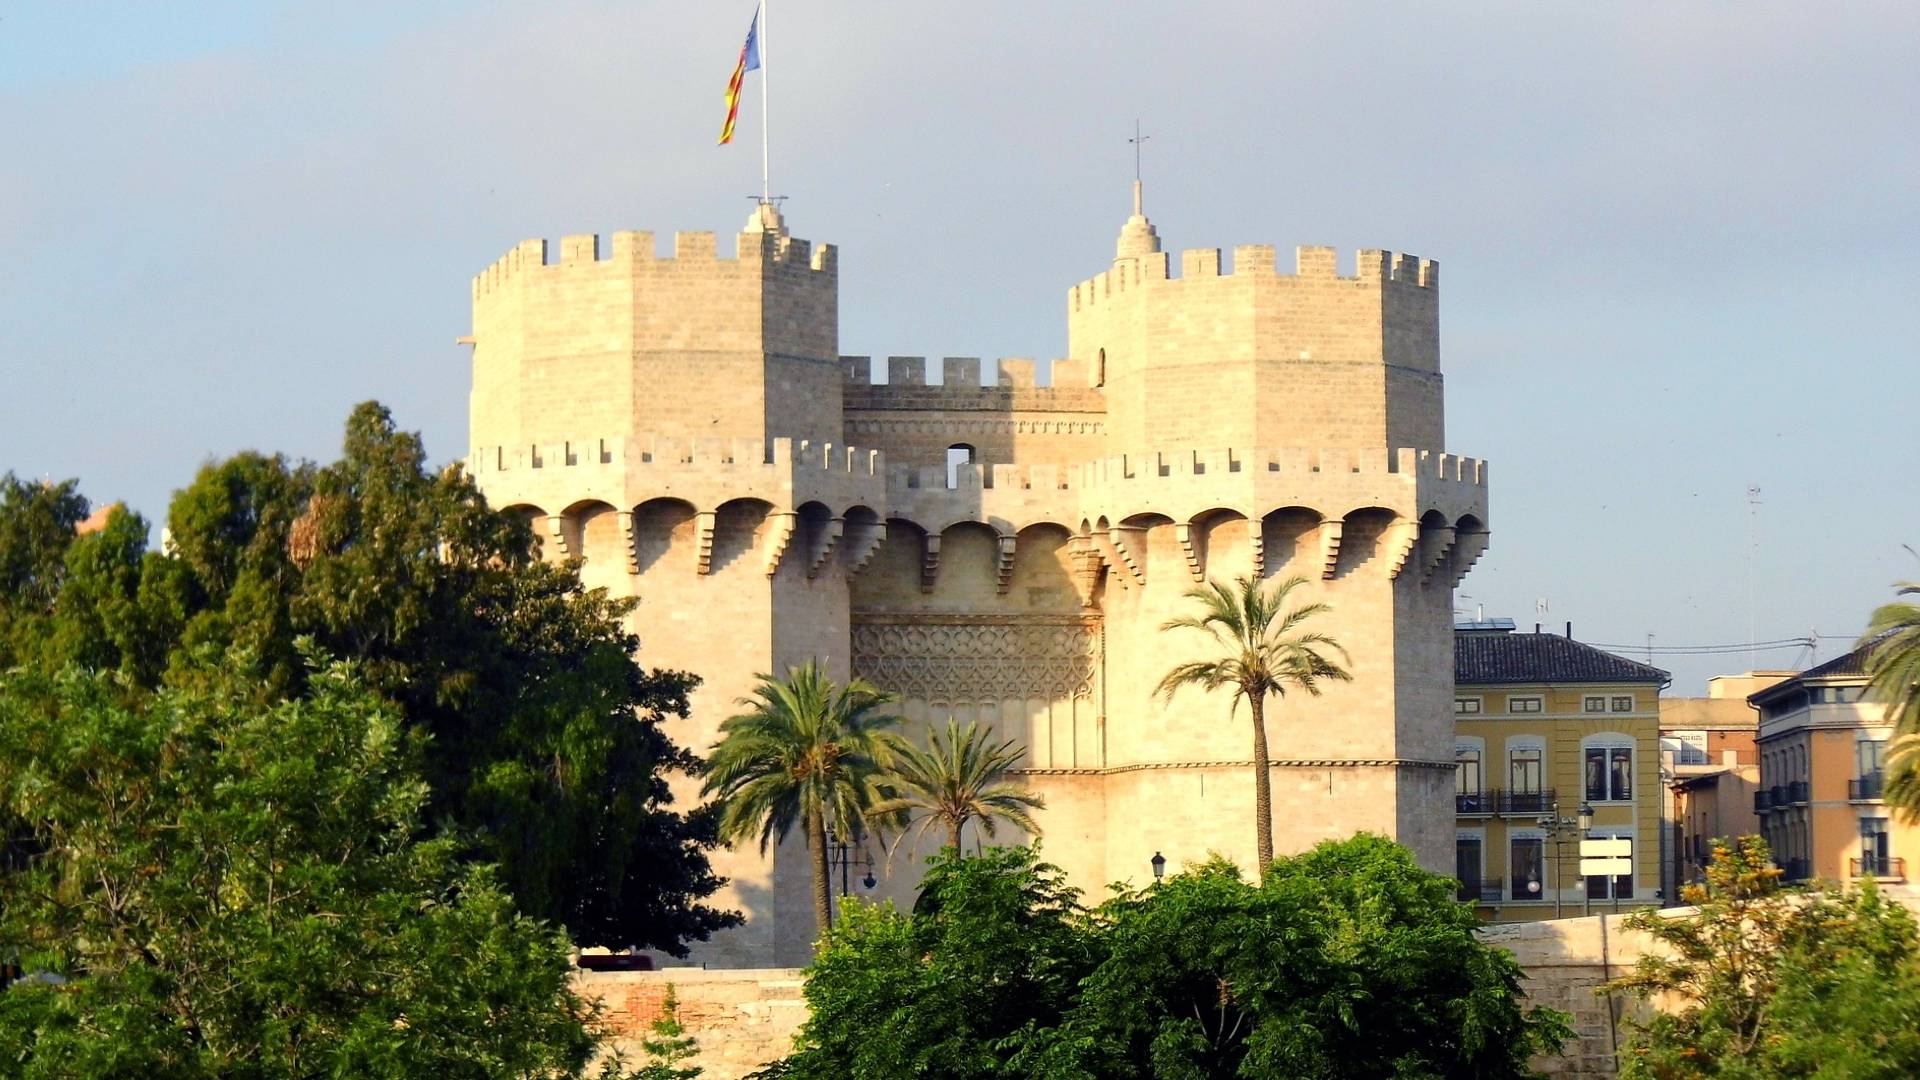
(743, 1018)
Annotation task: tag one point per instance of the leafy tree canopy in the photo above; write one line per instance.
(218, 888)
(544, 744)
(1764, 981)
(1348, 961)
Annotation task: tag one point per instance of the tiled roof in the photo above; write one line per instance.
(1852, 664)
(1481, 659)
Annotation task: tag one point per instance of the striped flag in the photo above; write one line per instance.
(749, 61)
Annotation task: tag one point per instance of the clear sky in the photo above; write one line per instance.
(1680, 242)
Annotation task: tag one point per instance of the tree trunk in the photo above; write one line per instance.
(953, 834)
(822, 886)
(1262, 786)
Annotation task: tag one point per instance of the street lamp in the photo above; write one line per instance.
(1159, 866)
(844, 855)
(1558, 829)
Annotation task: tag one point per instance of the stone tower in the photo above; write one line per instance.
(1006, 552)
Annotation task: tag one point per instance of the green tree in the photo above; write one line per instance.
(667, 1046)
(991, 954)
(1892, 641)
(960, 775)
(1349, 961)
(1762, 981)
(545, 747)
(1259, 651)
(805, 752)
(36, 527)
(224, 889)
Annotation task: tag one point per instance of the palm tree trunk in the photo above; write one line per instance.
(1262, 787)
(953, 834)
(822, 886)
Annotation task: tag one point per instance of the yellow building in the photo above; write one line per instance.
(1550, 731)
(1821, 748)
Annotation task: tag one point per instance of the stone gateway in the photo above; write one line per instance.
(999, 549)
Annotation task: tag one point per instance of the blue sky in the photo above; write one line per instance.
(1677, 239)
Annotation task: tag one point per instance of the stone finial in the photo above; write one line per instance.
(1137, 236)
(765, 218)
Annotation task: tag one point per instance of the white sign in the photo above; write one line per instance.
(1605, 867)
(1620, 847)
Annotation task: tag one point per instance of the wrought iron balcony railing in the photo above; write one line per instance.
(1866, 787)
(1526, 802)
(1797, 792)
(1476, 803)
(1885, 867)
(1484, 891)
(1762, 801)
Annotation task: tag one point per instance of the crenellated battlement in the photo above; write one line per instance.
(636, 251)
(631, 452)
(1015, 387)
(1371, 267)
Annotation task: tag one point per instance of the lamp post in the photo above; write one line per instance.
(1159, 866)
(844, 854)
(1558, 829)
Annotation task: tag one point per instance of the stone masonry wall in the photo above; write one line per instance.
(744, 1019)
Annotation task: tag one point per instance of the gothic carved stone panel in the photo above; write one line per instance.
(972, 659)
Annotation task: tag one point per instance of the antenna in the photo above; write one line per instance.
(1753, 548)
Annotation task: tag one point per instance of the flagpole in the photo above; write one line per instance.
(766, 160)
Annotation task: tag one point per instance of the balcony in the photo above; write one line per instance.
(1476, 803)
(1777, 794)
(1883, 868)
(1762, 801)
(1866, 788)
(1795, 870)
(1484, 891)
(1521, 803)
(1797, 793)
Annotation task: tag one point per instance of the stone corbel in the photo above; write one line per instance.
(1003, 566)
(861, 549)
(1442, 540)
(1257, 545)
(625, 518)
(824, 546)
(780, 530)
(929, 564)
(1183, 532)
(557, 528)
(1406, 536)
(1470, 546)
(1330, 531)
(703, 524)
(1126, 548)
(1086, 568)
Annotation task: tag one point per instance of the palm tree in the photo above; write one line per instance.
(1892, 642)
(805, 752)
(960, 776)
(1258, 651)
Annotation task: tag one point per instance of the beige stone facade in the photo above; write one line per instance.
(999, 549)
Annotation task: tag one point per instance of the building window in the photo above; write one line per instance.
(1467, 865)
(1623, 703)
(1876, 854)
(1687, 747)
(957, 455)
(1600, 887)
(1525, 769)
(1466, 776)
(1593, 703)
(1609, 773)
(1466, 705)
(1526, 864)
(1523, 704)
